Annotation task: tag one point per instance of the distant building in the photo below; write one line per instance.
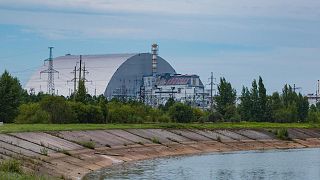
(113, 75)
(183, 88)
(143, 76)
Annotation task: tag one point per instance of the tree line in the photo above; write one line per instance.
(255, 105)
(18, 106)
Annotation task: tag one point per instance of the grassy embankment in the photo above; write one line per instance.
(11, 169)
(8, 128)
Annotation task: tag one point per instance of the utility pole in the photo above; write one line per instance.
(211, 89)
(80, 70)
(296, 88)
(50, 71)
(74, 80)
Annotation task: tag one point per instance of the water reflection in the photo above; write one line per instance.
(250, 165)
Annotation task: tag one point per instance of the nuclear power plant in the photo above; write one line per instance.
(142, 76)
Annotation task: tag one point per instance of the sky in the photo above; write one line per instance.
(236, 39)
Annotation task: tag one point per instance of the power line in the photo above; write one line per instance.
(50, 71)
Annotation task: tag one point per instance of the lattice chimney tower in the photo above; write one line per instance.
(154, 51)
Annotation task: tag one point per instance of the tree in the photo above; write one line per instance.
(181, 113)
(10, 97)
(168, 104)
(226, 97)
(102, 102)
(245, 104)
(58, 109)
(303, 108)
(81, 94)
(255, 106)
(32, 113)
(264, 107)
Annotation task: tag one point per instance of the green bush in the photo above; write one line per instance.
(86, 113)
(282, 134)
(181, 113)
(131, 112)
(11, 165)
(87, 144)
(58, 109)
(286, 114)
(32, 113)
(197, 114)
(215, 117)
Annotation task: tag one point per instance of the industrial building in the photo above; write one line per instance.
(143, 76)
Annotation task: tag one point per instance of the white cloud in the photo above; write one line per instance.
(258, 22)
(243, 8)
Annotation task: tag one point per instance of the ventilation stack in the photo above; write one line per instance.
(154, 51)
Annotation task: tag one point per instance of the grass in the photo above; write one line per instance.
(11, 169)
(64, 152)
(282, 134)
(44, 151)
(10, 128)
(11, 165)
(155, 140)
(87, 144)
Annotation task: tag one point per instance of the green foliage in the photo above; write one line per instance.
(313, 115)
(302, 107)
(44, 151)
(58, 109)
(11, 169)
(282, 134)
(86, 113)
(87, 144)
(197, 114)
(32, 113)
(286, 114)
(10, 97)
(181, 113)
(64, 152)
(226, 99)
(11, 165)
(155, 140)
(215, 117)
(245, 105)
(168, 104)
(81, 94)
(287, 107)
(125, 112)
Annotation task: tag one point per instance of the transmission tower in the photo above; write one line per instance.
(82, 71)
(74, 80)
(212, 79)
(50, 71)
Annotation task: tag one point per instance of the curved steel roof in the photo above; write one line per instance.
(100, 67)
(107, 73)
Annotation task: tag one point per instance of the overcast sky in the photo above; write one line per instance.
(237, 39)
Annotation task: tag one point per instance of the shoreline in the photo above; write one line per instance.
(74, 154)
(286, 145)
(199, 154)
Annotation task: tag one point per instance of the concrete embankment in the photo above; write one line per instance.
(72, 154)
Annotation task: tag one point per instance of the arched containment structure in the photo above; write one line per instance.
(111, 75)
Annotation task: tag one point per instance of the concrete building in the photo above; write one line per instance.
(183, 88)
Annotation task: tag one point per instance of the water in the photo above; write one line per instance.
(302, 164)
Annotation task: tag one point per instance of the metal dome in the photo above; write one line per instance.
(108, 74)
